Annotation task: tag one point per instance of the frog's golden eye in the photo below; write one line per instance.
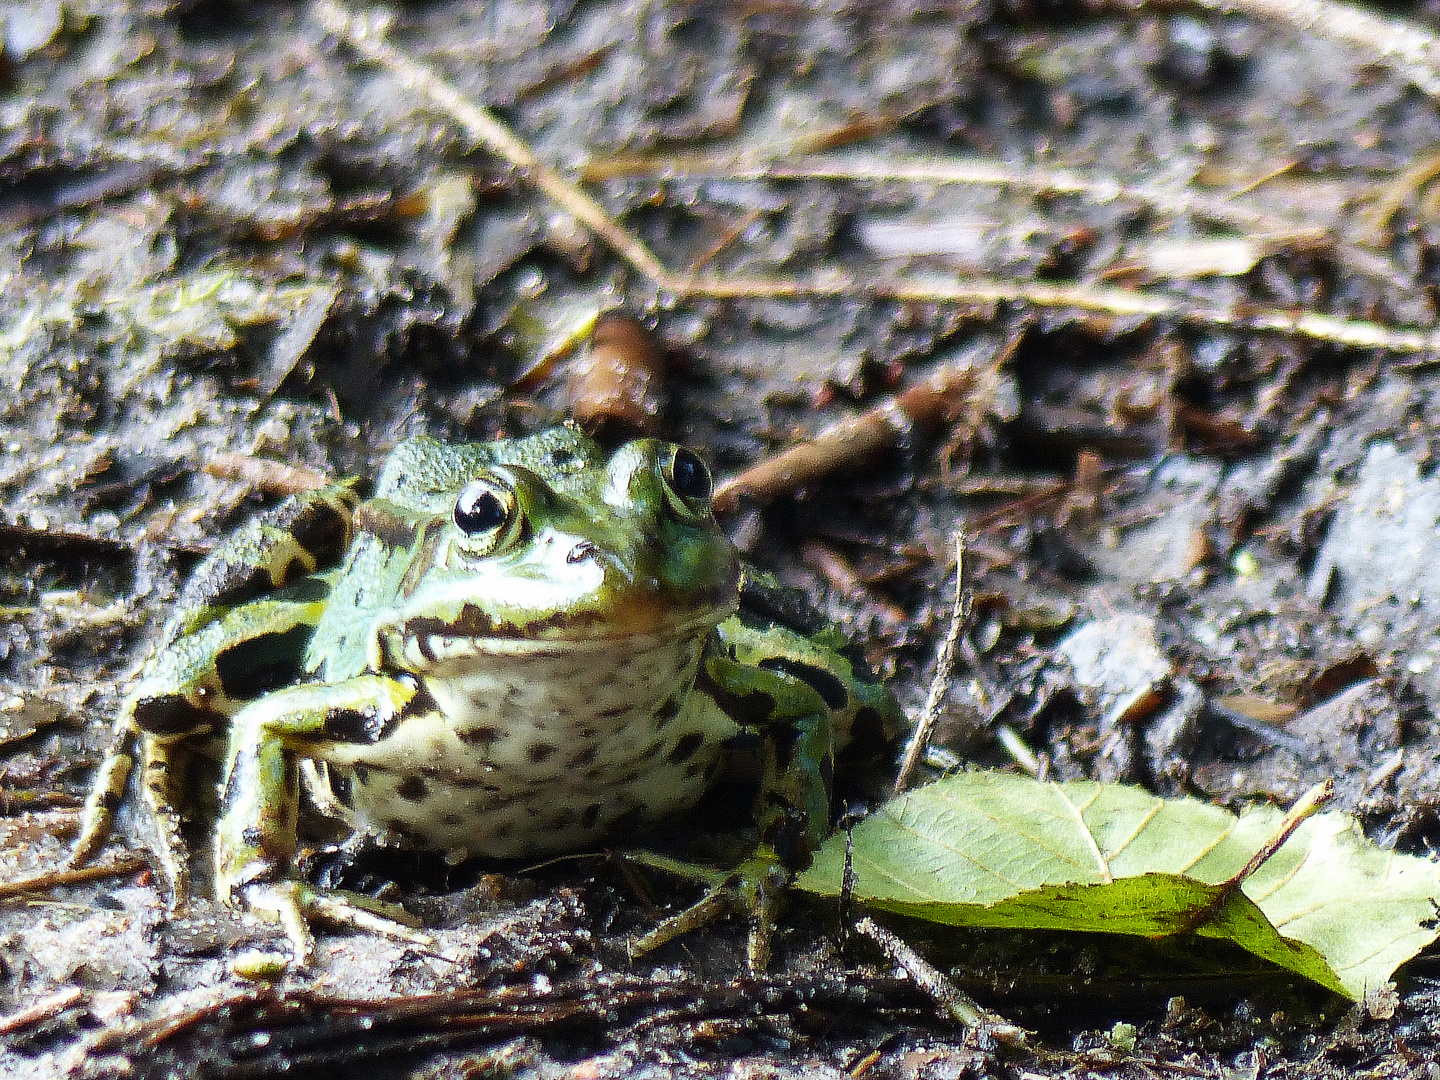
(687, 477)
(484, 508)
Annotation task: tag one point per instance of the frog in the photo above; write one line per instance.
(506, 650)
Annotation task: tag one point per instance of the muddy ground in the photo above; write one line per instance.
(238, 229)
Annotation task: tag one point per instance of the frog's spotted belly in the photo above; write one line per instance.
(539, 751)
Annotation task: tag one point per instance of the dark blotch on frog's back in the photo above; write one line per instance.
(750, 709)
(831, 690)
(260, 664)
(172, 714)
(321, 527)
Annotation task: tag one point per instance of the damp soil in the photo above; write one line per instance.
(1201, 542)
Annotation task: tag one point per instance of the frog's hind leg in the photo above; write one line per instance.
(107, 790)
(255, 840)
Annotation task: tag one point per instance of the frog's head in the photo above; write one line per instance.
(521, 542)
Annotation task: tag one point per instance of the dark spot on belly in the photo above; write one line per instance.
(685, 749)
(400, 828)
(694, 769)
(564, 818)
(451, 819)
(480, 736)
(612, 713)
(590, 815)
(412, 789)
(831, 690)
(669, 709)
(540, 752)
(585, 757)
(341, 788)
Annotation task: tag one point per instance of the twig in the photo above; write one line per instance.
(888, 424)
(1401, 45)
(956, 1004)
(45, 1009)
(51, 878)
(273, 477)
(944, 663)
(366, 37)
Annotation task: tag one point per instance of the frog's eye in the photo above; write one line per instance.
(686, 476)
(484, 507)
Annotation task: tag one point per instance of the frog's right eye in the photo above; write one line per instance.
(484, 508)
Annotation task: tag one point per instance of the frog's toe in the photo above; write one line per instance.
(754, 888)
(294, 904)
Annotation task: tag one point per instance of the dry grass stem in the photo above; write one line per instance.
(940, 680)
(367, 37)
(47, 1008)
(52, 878)
(1099, 188)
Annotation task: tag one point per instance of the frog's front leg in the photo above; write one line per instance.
(187, 690)
(218, 624)
(255, 839)
(778, 698)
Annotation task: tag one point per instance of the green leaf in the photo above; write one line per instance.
(998, 850)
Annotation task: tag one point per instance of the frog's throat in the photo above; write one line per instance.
(423, 645)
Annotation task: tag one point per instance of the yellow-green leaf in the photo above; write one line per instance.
(998, 850)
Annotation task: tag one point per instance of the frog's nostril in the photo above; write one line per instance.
(581, 551)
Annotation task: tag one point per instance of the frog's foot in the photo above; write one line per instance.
(294, 904)
(755, 888)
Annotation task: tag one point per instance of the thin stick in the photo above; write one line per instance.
(956, 1004)
(46, 1008)
(944, 663)
(51, 878)
(854, 438)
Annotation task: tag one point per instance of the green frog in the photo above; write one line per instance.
(511, 649)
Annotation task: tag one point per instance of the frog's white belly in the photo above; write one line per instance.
(539, 750)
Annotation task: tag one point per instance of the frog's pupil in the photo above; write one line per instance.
(479, 510)
(689, 475)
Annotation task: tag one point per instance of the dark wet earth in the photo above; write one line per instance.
(1191, 257)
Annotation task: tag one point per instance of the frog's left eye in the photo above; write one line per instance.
(484, 507)
(687, 477)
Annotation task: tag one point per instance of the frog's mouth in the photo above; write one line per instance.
(426, 641)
